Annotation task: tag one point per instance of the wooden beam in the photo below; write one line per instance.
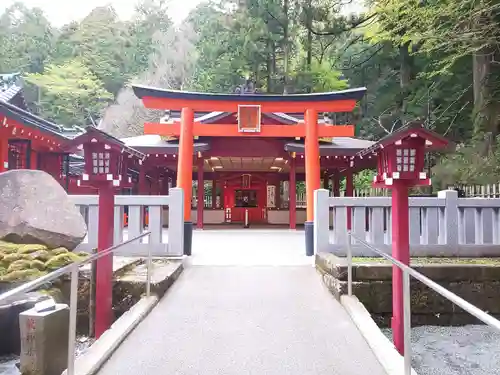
(224, 130)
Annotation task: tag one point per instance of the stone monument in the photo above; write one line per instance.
(44, 340)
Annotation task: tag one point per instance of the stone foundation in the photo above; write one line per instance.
(129, 286)
(478, 283)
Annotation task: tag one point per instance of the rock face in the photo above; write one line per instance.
(34, 208)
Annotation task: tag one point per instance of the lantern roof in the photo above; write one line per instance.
(92, 134)
(433, 140)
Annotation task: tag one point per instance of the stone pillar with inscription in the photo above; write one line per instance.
(44, 340)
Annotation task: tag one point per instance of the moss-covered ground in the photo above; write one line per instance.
(21, 262)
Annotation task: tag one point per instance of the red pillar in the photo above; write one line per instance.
(214, 193)
(185, 162)
(349, 190)
(400, 251)
(185, 172)
(104, 278)
(312, 174)
(292, 191)
(201, 195)
(312, 160)
(4, 153)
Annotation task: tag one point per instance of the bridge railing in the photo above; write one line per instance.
(73, 270)
(162, 242)
(439, 226)
(407, 272)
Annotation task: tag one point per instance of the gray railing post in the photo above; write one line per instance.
(448, 218)
(118, 227)
(349, 263)
(321, 220)
(176, 222)
(407, 322)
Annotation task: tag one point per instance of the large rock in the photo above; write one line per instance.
(34, 208)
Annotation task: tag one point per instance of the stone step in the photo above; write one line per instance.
(131, 284)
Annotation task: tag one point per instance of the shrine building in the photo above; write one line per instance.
(238, 157)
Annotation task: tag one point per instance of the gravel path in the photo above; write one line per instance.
(468, 350)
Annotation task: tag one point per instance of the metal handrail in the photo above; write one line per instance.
(73, 269)
(407, 272)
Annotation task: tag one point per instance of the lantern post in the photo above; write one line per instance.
(400, 166)
(106, 161)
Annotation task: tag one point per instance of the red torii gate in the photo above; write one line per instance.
(249, 109)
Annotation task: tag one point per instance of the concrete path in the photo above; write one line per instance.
(248, 302)
(236, 320)
(250, 247)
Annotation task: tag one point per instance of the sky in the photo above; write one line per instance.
(61, 12)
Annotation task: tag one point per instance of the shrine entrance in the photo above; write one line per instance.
(209, 131)
(245, 200)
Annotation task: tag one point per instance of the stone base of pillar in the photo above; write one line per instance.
(309, 232)
(188, 237)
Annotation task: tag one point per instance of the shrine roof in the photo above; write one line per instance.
(76, 165)
(344, 145)
(7, 93)
(13, 106)
(29, 119)
(142, 91)
(156, 144)
(11, 90)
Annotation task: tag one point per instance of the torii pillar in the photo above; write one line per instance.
(292, 192)
(185, 172)
(312, 174)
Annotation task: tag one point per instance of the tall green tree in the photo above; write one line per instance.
(100, 42)
(72, 93)
(26, 39)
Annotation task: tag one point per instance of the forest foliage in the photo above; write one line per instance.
(433, 60)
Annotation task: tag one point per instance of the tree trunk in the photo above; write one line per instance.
(486, 113)
(285, 46)
(269, 66)
(405, 73)
(309, 41)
